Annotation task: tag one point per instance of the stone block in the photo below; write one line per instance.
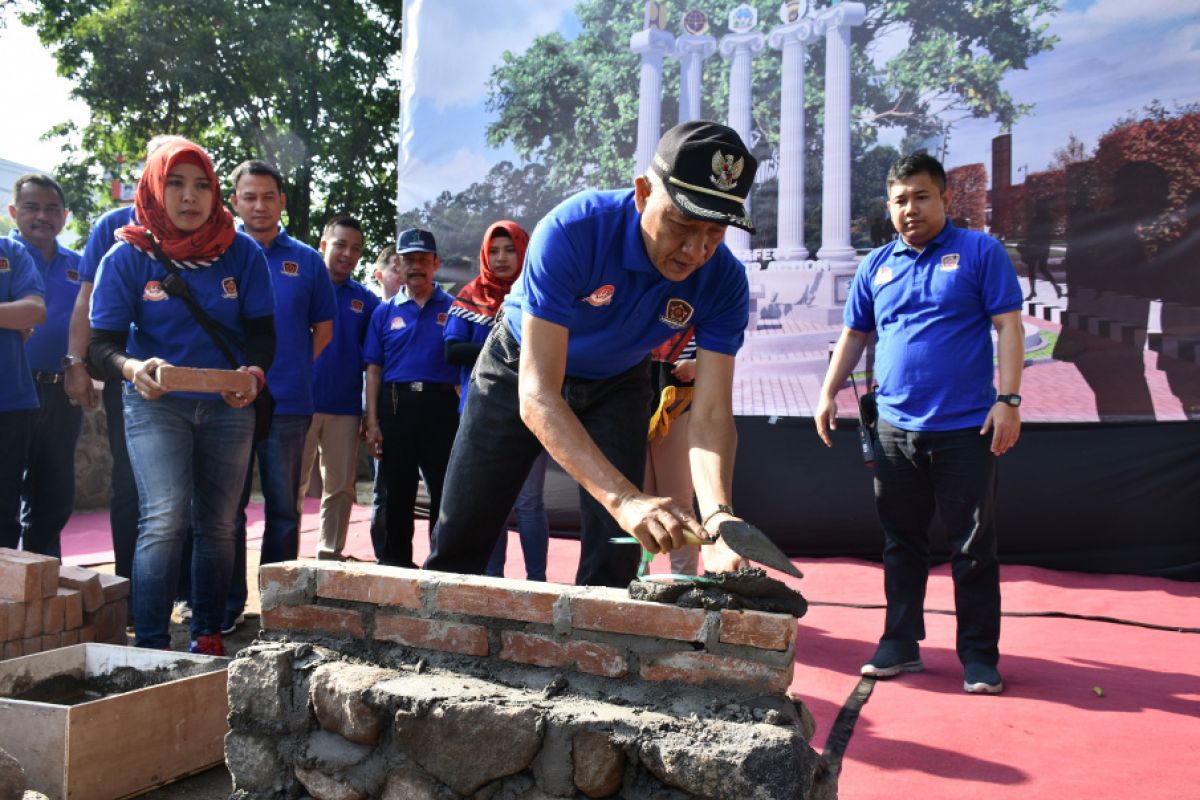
(72, 601)
(615, 615)
(338, 692)
(265, 692)
(410, 786)
(756, 629)
(599, 764)
(432, 634)
(333, 621)
(368, 583)
(12, 777)
(86, 582)
(324, 787)
(702, 668)
(526, 601)
(253, 761)
(542, 651)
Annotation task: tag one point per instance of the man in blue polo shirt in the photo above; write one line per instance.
(412, 406)
(21, 307)
(338, 387)
(39, 208)
(304, 312)
(609, 276)
(933, 297)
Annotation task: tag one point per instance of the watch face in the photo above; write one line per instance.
(1013, 400)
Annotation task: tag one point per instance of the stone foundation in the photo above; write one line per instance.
(372, 682)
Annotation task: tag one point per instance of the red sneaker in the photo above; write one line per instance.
(208, 645)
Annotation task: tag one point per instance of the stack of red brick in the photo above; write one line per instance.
(44, 605)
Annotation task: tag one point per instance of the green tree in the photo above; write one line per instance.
(308, 85)
(573, 104)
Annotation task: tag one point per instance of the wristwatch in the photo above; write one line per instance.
(1013, 400)
(69, 361)
(722, 508)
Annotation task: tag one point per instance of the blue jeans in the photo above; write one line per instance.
(378, 512)
(16, 429)
(48, 492)
(188, 458)
(279, 459)
(494, 451)
(531, 525)
(953, 474)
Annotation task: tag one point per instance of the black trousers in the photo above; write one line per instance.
(952, 473)
(494, 451)
(418, 431)
(16, 431)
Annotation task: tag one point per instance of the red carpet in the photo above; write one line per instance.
(1092, 709)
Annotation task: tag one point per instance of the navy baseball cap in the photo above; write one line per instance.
(415, 240)
(707, 171)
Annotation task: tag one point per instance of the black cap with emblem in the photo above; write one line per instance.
(707, 172)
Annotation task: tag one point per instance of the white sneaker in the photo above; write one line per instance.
(182, 610)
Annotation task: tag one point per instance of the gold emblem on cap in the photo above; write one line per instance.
(726, 171)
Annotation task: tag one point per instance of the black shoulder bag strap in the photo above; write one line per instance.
(175, 286)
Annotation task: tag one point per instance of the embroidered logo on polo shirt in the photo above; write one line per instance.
(950, 262)
(884, 275)
(290, 268)
(442, 318)
(677, 313)
(3, 264)
(229, 288)
(356, 306)
(73, 275)
(397, 323)
(602, 296)
(153, 292)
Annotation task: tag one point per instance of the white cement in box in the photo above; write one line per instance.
(120, 745)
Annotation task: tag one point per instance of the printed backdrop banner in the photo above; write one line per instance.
(1070, 131)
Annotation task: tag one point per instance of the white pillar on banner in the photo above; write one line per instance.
(791, 39)
(739, 50)
(651, 44)
(692, 51)
(835, 197)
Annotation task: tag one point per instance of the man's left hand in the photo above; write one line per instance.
(1004, 421)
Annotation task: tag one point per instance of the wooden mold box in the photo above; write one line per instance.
(119, 745)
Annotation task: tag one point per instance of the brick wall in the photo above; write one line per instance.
(592, 630)
(44, 605)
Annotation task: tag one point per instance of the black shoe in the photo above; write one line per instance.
(979, 678)
(887, 663)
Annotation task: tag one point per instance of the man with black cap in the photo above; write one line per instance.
(608, 276)
(412, 405)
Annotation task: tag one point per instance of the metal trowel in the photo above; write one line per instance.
(742, 538)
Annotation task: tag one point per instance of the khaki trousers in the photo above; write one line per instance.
(335, 437)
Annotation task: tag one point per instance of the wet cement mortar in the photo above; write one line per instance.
(748, 589)
(73, 688)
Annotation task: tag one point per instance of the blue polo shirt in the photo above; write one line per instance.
(19, 278)
(101, 240)
(466, 326)
(338, 372)
(406, 339)
(60, 281)
(128, 290)
(933, 312)
(303, 297)
(587, 269)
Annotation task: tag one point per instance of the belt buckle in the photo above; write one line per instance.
(417, 386)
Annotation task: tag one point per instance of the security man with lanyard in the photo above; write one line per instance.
(48, 492)
(608, 276)
(412, 406)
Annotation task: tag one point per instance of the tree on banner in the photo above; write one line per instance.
(573, 104)
(305, 84)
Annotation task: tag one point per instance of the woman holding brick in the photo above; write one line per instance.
(189, 450)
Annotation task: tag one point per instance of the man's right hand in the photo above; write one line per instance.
(826, 418)
(79, 387)
(657, 523)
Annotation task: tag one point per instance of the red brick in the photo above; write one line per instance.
(13, 649)
(12, 620)
(517, 601)
(334, 621)
(72, 608)
(70, 637)
(33, 618)
(541, 651)
(20, 578)
(52, 614)
(700, 668)
(87, 634)
(756, 629)
(51, 641)
(31, 645)
(432, 634)
(85, 581)
(195, 379)
(108, 620)
(378, 585)
(637, 618)
(115, 587)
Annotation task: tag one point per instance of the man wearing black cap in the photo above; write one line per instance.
(412, 406)
(608, 276)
